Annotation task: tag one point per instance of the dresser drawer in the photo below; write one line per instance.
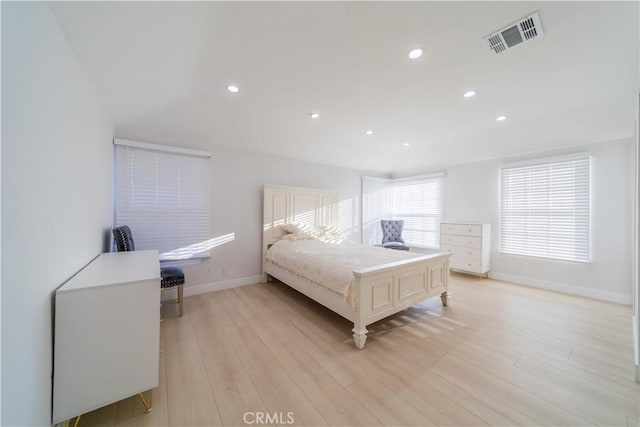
(461, 229)
(465, 242)
(472, 265)
(462, 252)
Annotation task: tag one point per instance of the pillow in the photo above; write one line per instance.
(300, 229)
(289, 228)
(324, 233)
(292, 236)
(330, 234)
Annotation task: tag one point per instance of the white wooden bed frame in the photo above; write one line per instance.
(379, 291)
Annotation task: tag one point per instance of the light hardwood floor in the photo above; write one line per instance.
(500, 354)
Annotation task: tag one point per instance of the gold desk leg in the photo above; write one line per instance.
(68, 422)
(147, 406)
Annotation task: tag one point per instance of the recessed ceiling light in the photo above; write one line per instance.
(501, 118)
(233, 89)
(406, 144)
(469, 93)
(416, 53)
(369, 132)
(314, 115)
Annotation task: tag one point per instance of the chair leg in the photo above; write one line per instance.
(180, 299)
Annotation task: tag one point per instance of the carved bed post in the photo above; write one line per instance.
(445, 298)
(359, 338)
(445, 295)
(359, 325)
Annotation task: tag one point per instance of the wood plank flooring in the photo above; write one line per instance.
(500, 354)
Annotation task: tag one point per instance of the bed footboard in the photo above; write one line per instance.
(388, 289)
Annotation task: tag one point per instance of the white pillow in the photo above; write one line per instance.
(324, 233)
(292, 236)
(289, 228)
(332, 235)
(301, 229)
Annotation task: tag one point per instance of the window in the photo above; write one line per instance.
(416, 200)
(418, 203)
(545, 208)
(163, 194)
(376, 205)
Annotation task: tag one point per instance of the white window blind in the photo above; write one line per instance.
(376, 205)
(545, 208)
(417, 201)
(163, 196)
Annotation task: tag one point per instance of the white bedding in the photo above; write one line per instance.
(331, 265)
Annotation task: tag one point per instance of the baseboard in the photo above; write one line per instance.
(506, 277)
(562, 287)
(211, 287)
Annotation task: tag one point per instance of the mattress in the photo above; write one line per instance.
(331, 265)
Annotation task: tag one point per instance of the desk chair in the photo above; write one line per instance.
(171, 276)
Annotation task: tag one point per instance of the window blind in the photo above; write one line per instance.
(545, 208)
(376, 205)
(163, 196)
(416, 200)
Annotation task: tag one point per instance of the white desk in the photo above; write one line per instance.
(107, 333)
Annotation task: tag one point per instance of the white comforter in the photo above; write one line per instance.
(331, 265)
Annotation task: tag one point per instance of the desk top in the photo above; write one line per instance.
(113, 268)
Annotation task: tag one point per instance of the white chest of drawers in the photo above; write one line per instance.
(469, 244)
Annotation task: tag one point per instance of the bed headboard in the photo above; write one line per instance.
(286, 205)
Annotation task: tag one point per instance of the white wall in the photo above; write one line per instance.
(56, 196)
(471, 193)
(236, 202)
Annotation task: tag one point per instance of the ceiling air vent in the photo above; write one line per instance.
(522, 31)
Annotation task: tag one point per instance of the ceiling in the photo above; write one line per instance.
(161, 69)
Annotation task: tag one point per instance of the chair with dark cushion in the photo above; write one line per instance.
(392, 235)
(171, 276)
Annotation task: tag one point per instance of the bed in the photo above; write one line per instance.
(382, 281)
